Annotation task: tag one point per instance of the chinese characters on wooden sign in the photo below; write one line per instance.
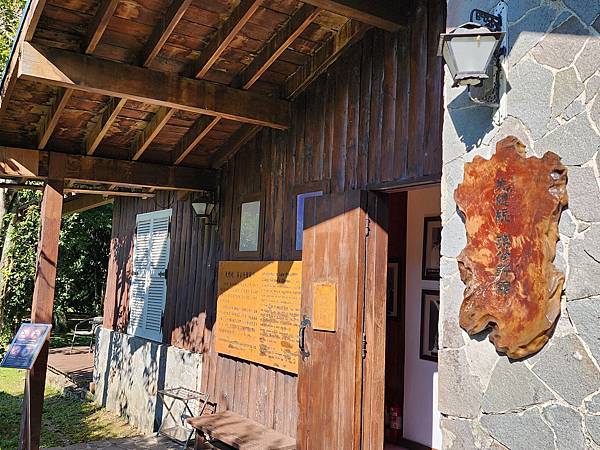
(258, 312)
(512, 205)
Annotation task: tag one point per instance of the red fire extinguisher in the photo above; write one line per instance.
(395, 423)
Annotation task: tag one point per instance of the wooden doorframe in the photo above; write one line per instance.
(374, 323)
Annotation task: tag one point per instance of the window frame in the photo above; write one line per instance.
(322, 185)
(237, 228)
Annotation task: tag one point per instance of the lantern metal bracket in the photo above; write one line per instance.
(489, 20)
(492, 91)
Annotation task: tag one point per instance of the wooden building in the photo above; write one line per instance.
(159, 104)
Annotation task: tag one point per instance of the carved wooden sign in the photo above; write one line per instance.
(512, 205)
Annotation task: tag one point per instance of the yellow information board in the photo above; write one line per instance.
(258, 312)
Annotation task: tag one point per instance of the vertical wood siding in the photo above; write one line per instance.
(373, 120)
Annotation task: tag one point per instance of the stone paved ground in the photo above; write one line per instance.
(140, 442)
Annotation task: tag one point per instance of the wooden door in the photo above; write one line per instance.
(340, 386)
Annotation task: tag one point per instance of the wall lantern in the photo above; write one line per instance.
(472, 52)
(204, 208)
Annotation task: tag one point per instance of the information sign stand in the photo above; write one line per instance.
(21, 354)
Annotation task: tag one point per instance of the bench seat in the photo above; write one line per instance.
(240, 432)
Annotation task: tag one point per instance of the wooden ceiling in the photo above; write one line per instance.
(177, 82)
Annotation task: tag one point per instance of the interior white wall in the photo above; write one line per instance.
(421, 416)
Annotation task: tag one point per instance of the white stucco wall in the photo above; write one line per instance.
(421, 416)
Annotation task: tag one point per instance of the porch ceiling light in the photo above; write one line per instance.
(468, 51)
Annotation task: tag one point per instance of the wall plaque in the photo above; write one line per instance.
(258, 312)
(512, 205)
(324, 307)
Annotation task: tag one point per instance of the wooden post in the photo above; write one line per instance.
(41, 308)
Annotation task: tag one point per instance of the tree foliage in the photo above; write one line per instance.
(10, 12)
(82, 264)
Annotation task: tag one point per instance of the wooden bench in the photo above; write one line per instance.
(240, 432)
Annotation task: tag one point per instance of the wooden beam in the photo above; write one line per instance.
(84, 202)
(105, 121)
(389, 15)
(49, 122)
(22, 163)
(34, 164)
(43, 299)
(32, 17)
(106, 192)
(322, 58)
(233, 144)
(99, 23)
(86, 73)
(89, 169)
(223, 37)
(280, 41)
(147, 135)
(164, 29)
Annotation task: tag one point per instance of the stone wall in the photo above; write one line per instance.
(128, 372)
(552, 399)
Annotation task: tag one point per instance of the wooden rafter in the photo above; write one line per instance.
(325, 55)
(389, 15)
(84, 202)
(223, 37)
(164, 29)
(318, 63)
(233, 144)
(95, 32)
(99, 23)
(35, 164)
(145, 138)
(108, 116)
(51, 120)
(193, 136)
(278, 43)
(72, 70)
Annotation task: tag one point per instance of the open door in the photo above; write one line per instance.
(341, 374)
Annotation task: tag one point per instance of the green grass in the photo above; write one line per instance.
(65, 421)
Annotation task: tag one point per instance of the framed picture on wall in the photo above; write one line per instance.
(432, 240)
(392, 289)
(430, 311)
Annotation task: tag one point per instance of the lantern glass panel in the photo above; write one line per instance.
(200, 208)
(472, 54)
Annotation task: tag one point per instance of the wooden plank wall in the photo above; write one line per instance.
(374, 119)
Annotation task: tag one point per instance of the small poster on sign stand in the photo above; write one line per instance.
(26, 346)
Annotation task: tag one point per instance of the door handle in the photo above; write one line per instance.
(301, 338)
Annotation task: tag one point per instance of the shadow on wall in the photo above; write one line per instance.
(132, 371)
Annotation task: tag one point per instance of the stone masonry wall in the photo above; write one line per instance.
(128, 372)
(550, 400)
